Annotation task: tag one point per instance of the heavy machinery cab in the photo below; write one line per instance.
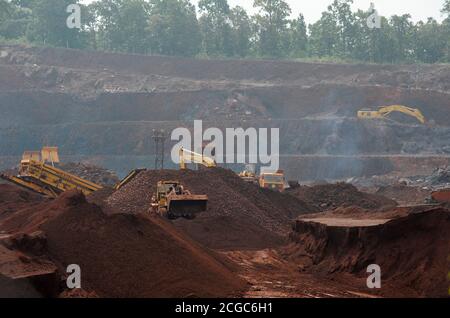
(275, 181)
(173, 201)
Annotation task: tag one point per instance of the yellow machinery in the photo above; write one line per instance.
(173, 201)
(133, 174)
(187, 156)
(275, 181)
(385, 111)
(36, 175)
(249, 175)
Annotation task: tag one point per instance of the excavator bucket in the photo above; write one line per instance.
(187, 206)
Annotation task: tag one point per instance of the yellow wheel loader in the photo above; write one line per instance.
(173, 201)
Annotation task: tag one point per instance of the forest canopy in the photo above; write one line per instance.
(215, 29)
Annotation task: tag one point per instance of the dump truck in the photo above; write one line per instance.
(274, 181)
(173, 201)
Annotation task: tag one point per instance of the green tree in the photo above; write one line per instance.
(446, 29)
(242, 32)
(446, 7)
(215, 26)
(430, 42)
(324, 36)
(273, 37)
(5, 8)
(48, 25)
(299, 42)
(402, 32)
(173, 28)
(121, 25)
(345, 26)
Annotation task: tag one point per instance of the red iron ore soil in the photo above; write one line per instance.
(330, 196)
(125, 255)
(239, 215)
(412, 252)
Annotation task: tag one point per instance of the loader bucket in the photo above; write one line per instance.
(187, 206)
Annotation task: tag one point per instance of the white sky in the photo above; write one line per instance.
(312, 9)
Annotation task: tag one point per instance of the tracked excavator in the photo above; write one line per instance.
(37, 172)
(384, 111)
(187, 156)
(173, 201)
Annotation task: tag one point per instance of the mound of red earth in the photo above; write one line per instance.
(120, 255)
(13, 198)
(239, 215)
(412, 252)
(330, 196)
(92, 173)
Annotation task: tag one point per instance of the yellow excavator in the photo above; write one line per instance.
(173, 201)
(384, 111)
(37, 172)
(187, 156)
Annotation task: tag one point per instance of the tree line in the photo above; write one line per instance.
(214, 29)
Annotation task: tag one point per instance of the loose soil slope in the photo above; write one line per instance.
(330, 196)
(412, 252)
(125, 255)
(239, 215)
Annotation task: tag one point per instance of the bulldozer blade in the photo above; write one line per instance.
(187, 206)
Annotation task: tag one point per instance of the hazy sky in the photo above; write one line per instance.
(312, 9)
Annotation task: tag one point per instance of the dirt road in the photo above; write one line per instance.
(272, 276)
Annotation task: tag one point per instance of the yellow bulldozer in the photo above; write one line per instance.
(384, 111)
(173, 201)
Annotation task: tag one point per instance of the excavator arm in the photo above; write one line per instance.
(385, 111)
(413, 112)
(187, 156)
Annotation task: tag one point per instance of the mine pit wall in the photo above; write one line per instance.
(319, 136)
(419, 270)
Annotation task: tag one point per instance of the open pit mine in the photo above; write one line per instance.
(89, 182)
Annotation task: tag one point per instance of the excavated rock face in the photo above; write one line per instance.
(102, 108)
(412, 251)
